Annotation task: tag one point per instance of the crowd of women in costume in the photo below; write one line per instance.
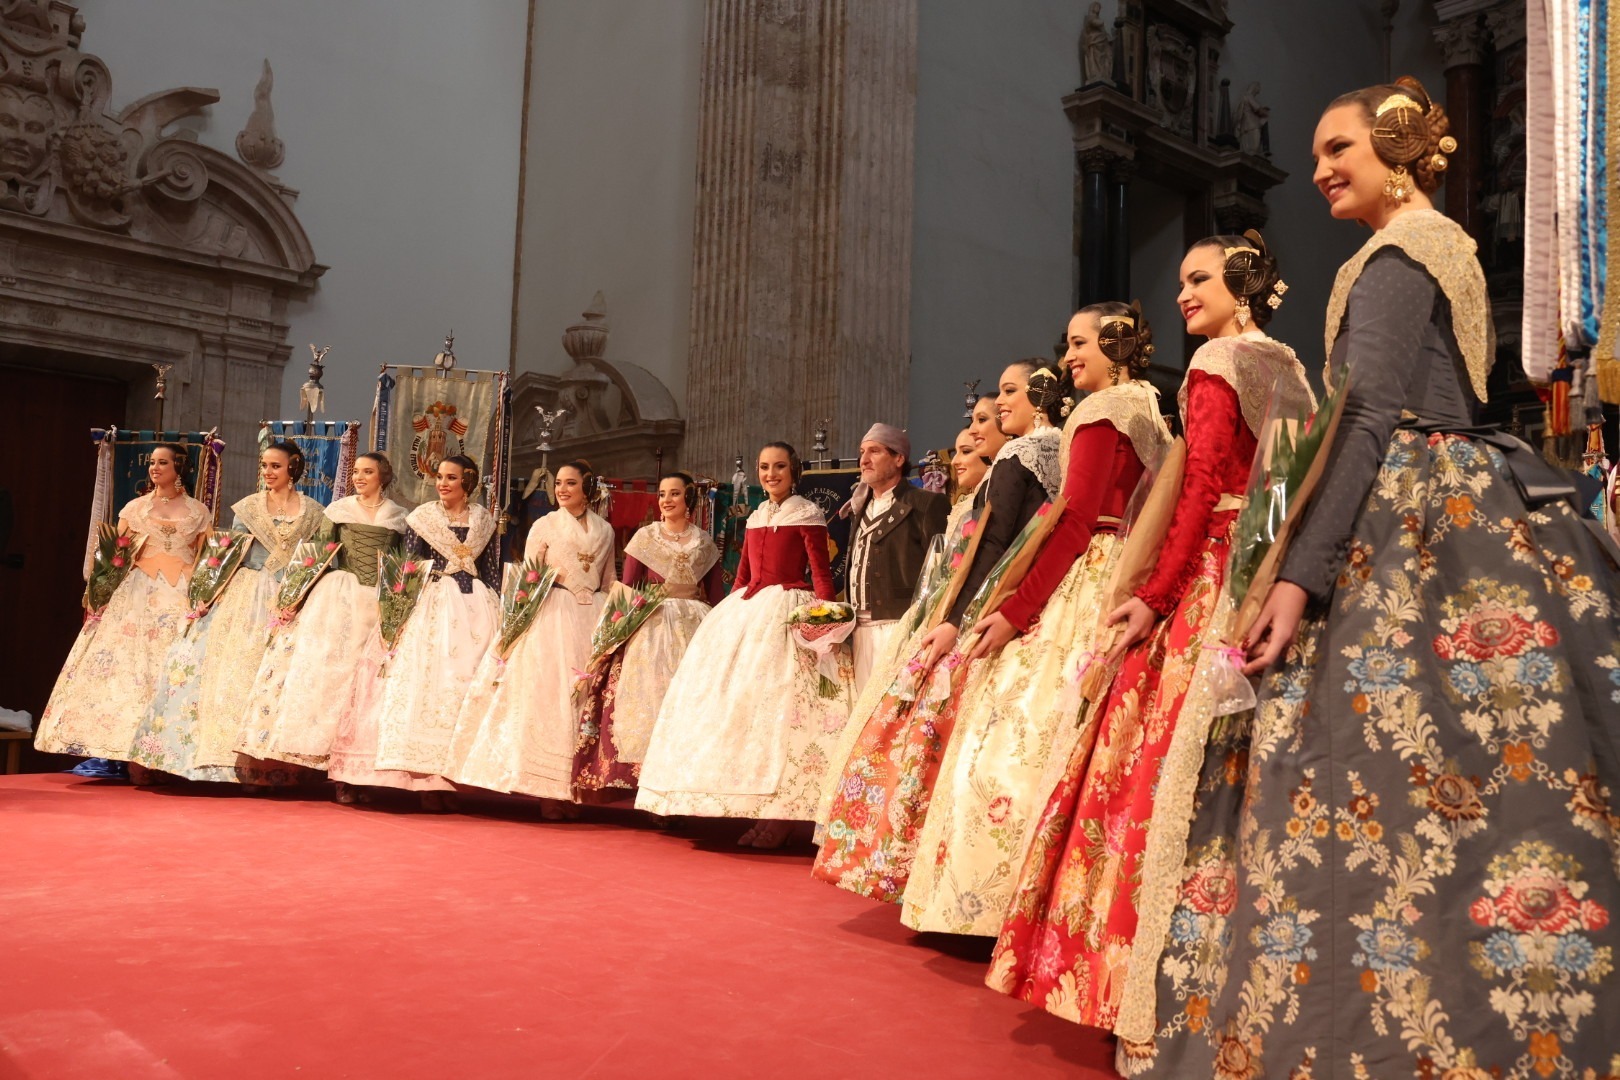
(1424, 787)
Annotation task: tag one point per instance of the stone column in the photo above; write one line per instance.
(1118, 281)
(1092, 225)
(801, 289)
(1463, 41)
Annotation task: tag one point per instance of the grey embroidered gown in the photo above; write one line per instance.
(1408, 866)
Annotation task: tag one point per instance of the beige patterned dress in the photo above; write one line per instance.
(516, 729)
(112, 672)
(193, 725)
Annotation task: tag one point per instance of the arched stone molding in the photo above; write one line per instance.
(124, 244)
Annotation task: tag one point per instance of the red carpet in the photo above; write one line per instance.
(182, 934)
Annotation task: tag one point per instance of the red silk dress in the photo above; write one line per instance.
(1067, 938)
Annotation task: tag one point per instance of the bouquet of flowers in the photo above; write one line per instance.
(523, 590)
(221, 556)
(1286, 470)
(627, 609)
(1008, 573)
(116, 552)
(400, 580)
(821, 625)
(310, 560)
(945, 557)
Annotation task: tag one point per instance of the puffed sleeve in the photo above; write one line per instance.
(744, 571)
(815, 549)
(488, 564)
(415, 547)
(1391, 306)
(1093, 461)
(534, 544)
(604, 580)
(635, 572)
(1012, 487)
(1214, 425)
(936, 517)
(714, 583)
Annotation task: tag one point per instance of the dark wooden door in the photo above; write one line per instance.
(47, 479)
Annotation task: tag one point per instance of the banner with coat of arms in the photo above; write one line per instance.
(424, 415)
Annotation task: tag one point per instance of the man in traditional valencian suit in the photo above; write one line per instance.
(891, 524)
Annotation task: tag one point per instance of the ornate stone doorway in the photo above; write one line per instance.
(125, 245)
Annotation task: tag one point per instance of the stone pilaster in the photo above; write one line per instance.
(802, 233)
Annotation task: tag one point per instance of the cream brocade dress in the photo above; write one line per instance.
(747, 725)
(306, 678)
(1012, 726)
(653, 655)
(193, 725)
(414, 703)
(113, 670)
(516, 730)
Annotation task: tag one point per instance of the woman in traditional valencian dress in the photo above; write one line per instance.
(194, 723)
(1066, 943)
(398, 729)
(1006, 722)
(750, 718)
(618, 703)
(1415, 874)
(114, 668)
(306, 679)
(516, 731)
(881, 793)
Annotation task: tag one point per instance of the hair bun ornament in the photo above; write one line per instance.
(1247, 268)
(1043, 389)
(1117, 337)
(1400, 133)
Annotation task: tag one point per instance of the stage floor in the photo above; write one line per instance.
(183, 933)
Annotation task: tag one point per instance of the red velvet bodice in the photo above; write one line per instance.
(781, 555)
(1220, 453)
(1103, 473)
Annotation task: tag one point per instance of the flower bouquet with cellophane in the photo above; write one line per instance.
(627, 609)
(221, 556)
(821, 625)
(523, 589)
(1287, 467)
(116, 552)
(310, 559)
(400, 580)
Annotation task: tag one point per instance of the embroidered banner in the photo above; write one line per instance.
(424, 416)
(324, 442)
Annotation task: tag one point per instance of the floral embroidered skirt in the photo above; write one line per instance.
(114, 670)
(749, 721)
(516, 729)
(419, 695)
(617, 704)
(1408, 866)
(306, 677)
(1067, 939)
(194, 722)
(1010, 723)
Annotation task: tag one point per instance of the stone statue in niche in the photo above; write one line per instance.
(1172, 75)
(1251, 121)
(1096, 49)
(256, 143)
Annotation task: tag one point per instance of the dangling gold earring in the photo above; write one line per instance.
(1398, 185)
(1242, 312)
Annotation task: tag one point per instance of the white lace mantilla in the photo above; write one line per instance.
(793, 510)
(1254, 366)
(349, 511)
(431, 523)
(1038, 452)
(1133, 410)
